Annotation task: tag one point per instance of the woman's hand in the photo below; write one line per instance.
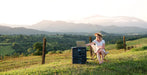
(100, 46)
(87, 44)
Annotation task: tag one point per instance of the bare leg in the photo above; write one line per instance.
(98, 54)
(102, 54)
(99, 58)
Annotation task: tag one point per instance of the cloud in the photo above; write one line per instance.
(117, 20)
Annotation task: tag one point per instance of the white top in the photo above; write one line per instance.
(98, 43)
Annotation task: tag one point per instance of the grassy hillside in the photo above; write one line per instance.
(118, 63)
(137, 43)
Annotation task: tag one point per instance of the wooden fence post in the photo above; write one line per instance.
(90, 40)
(124, 43)
(1, 58)
(43, 50)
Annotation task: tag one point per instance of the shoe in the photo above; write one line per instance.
(106, 53)
(100, 62)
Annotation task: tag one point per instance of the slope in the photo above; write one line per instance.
(118, 63)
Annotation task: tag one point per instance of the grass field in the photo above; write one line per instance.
(118, 63)
(139, 43)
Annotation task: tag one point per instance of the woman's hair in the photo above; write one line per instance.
(99, 34)
(100, 38)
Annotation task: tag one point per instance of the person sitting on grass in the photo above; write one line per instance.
(99, 47)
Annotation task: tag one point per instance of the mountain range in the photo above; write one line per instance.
(62, 26)
(118, 25)
(117, 21)
(19, 30)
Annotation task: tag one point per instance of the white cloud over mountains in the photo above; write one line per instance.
(117, 21)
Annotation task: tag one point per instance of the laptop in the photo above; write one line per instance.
(80, 43)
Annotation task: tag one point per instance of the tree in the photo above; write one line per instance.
(38, 48)
(119, 45)
(18, 48)
(30, 50)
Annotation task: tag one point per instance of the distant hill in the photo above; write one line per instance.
(61, 26)
(19, 30)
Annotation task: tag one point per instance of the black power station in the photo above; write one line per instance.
(79, 55)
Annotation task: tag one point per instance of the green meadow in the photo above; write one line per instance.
(118, 62)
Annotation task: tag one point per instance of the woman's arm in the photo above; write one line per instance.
(92, 43)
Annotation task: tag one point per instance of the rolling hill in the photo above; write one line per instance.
(62, 27)
(19, 30)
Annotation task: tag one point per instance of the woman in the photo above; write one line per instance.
(100, 46)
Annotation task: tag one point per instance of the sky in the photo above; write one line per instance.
(28, 12)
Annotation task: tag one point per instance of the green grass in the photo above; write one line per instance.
(23, 62)
(123, 63)
(139, 42)
(139, 49)
(110, 46)
(131, 62)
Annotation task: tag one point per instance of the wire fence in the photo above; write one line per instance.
(11, 63)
